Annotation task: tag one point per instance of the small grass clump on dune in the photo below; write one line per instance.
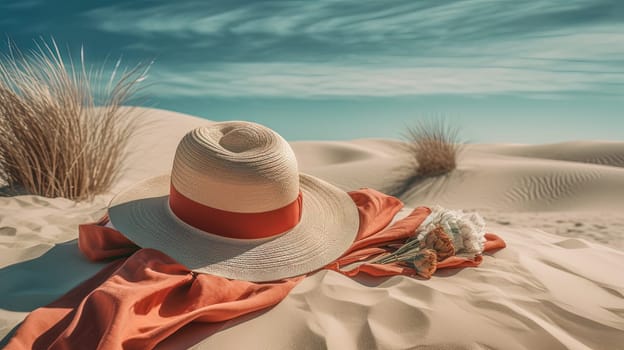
(434, 146)
(63, 132)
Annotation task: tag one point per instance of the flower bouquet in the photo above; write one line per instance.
(443, 234)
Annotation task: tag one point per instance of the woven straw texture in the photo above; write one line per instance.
(241, 167)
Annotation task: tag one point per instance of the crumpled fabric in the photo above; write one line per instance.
(144, 296)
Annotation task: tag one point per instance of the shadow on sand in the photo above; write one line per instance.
(34, 283)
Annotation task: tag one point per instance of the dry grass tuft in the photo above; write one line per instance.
(62, 133)
(434, 145)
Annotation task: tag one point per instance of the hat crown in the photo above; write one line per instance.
(237, 167)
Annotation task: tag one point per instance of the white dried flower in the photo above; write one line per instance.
(467, 230)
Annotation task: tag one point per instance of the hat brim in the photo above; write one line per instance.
(328, 226)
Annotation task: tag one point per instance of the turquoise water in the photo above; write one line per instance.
(503, 71)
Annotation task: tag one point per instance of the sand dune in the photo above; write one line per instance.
(558, 284)
(332, 152)
(592, 152)
(350, 165)
(524, 184)
(516, 300)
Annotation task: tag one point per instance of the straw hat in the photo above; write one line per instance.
(235, 205)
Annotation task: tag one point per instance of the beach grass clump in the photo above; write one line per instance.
(434, 145)
(63, 127)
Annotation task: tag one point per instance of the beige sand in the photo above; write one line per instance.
(559, 284)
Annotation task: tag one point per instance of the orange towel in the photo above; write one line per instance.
(136, 302)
